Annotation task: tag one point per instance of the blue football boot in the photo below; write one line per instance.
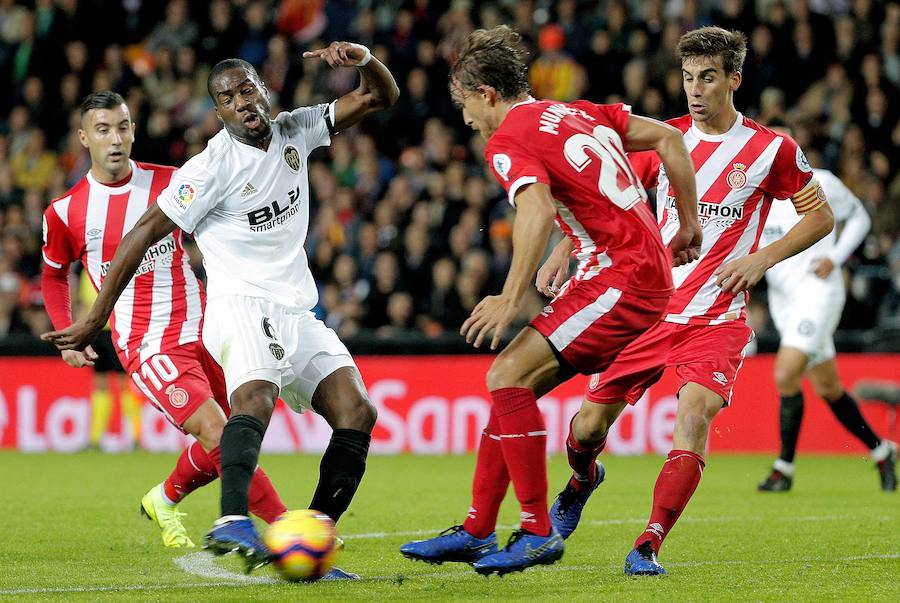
(522, 551)
(237, 533)
(339, 574)
(453, 544)
(642, 562)
(566, 510)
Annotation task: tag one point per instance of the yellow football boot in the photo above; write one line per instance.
(167, 517)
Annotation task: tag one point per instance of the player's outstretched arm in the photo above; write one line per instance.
(741, 274)
(377, 89)
(152, 226)
(645, 134)
(535, 212)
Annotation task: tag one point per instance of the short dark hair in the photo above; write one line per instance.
(225, 65)
(715, 42)
(493, 57)
(103, 99)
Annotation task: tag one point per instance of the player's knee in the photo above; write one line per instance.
(503, 373)
(591, 427)
(787, 380)
(360, 415)
(830, 392)
(207, 428)
(258, 403)
(589, 432)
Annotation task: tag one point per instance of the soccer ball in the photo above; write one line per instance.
(302, 544)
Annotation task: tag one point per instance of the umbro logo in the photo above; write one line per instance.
(94, 233)
(249, 189)
(720, 378)
(656, 529)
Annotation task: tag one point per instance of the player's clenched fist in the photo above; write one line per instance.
(686, 245)
(341, 54)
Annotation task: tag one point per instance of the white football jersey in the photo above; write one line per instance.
(249, 209)
(848, 210)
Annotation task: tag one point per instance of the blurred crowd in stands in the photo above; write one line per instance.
(408, 231)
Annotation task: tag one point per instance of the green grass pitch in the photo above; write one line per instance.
(71, 532)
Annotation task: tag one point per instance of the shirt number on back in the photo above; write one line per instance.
(617, 181)
(160, 369)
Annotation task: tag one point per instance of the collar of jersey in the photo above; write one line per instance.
(243, 146)
(718, 137)
(527, 101)
(118, 183)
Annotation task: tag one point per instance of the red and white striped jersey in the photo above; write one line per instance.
(162, 306)
(739, 174)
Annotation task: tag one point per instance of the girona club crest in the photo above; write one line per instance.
(737, 177)
(178, 397)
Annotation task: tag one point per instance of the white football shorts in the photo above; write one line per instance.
(807, 315)
(255, 339)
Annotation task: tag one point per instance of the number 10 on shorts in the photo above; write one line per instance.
(159, 371)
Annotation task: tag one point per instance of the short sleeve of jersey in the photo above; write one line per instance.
(312, 124)
(792, 178)
(58, 249)
(513, 165)
(615, 115)
(191, 195)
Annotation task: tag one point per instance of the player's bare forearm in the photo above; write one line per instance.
(377, 88)
(377, 85)
(531, 231)
(680, 168)
(645, 134)
(811, 227)
(152, 226)
(741, 274)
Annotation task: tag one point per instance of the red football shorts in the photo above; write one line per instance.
(589, 323)
(709, 355)
(179, 380)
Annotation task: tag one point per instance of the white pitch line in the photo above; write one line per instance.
(612, 522)
(203, 565)
(456, 571)
(112, 589)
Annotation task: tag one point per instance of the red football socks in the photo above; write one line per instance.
(581, 459)
(523, 440)
(674, 487)
(263, 500)
(490, 482)
(193, 470)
